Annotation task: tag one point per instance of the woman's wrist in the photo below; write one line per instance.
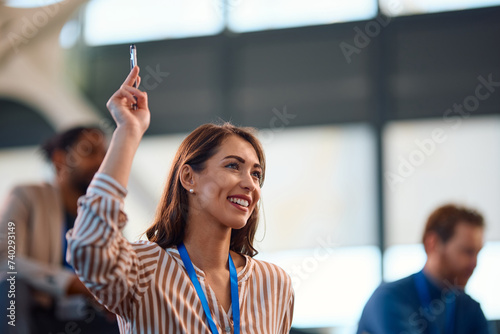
(120, 155)
(129, 132)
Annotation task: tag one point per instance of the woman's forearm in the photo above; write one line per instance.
(131, 123)
(120, 155)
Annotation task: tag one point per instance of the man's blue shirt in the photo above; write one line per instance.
(395, 308)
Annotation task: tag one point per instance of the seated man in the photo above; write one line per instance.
(49, 297)
(433, 300)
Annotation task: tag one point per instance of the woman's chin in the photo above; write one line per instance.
(236, 225)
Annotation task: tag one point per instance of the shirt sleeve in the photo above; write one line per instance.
(288, 296)
(51, 279)
(287, 320)
(104, 260)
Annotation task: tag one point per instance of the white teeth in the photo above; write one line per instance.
(239, 201)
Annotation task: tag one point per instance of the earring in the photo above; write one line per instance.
(191, 191)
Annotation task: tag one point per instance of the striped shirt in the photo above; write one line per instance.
(148, 287)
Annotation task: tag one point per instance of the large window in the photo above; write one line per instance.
(125, 21)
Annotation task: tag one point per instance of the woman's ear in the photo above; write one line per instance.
(187, 177)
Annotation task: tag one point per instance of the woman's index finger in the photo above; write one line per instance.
(132, 77)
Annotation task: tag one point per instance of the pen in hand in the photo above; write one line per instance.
(133, 63)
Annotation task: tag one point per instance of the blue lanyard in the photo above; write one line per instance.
(234, 290)
(425, 300)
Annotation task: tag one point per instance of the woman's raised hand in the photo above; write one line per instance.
(121, 105)
(131, 124)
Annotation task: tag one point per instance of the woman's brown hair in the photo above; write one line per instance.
(169, 224)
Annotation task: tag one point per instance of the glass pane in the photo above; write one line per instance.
(331, 285)
(409, 7)
(126, 21)
(319, 209)
(429, 163)
(403, 260)
(485, 280)
(252, 15)
(319, 182)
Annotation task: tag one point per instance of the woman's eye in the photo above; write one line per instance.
(232, 165)
(257, 175)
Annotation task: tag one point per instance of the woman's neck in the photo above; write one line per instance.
(208, 245)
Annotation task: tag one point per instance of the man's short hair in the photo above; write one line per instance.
(65, 140)
(444, 220)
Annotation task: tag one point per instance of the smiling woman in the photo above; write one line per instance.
(210, 160)
(196, 274)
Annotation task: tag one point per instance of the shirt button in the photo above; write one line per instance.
(228, 329)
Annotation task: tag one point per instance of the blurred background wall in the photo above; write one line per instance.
(371, 113)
